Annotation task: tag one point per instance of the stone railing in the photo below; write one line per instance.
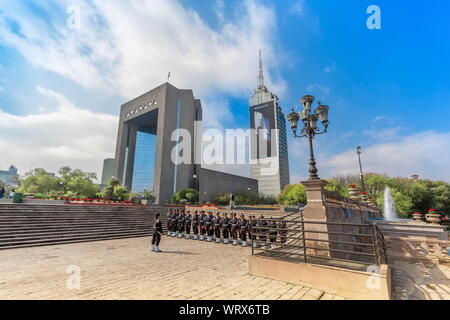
(417, 248)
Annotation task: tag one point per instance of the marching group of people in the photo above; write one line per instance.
(221, 227)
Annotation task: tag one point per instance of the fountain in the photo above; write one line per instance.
(389, 210)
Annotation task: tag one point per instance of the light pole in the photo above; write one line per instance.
(310, 127)
(358, 152)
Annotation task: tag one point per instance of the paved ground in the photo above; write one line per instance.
(421, 281)
(126, 269)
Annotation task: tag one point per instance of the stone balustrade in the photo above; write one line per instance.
(417, 248)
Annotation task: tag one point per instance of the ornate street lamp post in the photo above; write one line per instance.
(358, 152)
(310, 127)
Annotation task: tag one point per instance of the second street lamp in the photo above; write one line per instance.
(310, 127)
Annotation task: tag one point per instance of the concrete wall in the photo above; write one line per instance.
(327, 206)
(343, 282)
(213, 182)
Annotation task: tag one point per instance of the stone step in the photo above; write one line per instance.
(73, 233)
(13, 231)
(46, 242)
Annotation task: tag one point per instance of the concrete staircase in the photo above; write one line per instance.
(24, 225)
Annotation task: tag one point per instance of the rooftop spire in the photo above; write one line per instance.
(261, 72)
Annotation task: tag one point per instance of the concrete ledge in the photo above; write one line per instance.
(343, 282)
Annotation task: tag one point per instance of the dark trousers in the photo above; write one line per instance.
(273, 237)
(209, 231)
(195, 230)
(234, 234)
(217, 232)
(181, 228)
(243, 235)
(156, 239)
(202, 230)
(225, 233)
(188, 228)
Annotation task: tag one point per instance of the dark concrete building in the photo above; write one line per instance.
(147, 150)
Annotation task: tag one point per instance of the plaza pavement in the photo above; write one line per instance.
(187, 269)
(126, 269)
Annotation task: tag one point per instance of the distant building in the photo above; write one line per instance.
(108, 170)
(415, 177)
(270, 162)
(10, 177)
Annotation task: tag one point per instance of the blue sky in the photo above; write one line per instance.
(388, 89)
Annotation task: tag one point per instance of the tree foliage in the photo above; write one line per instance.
(292, 194)
(185, 196)
(71, 182)
(409, 195)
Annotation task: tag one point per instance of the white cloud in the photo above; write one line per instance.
(297, 8)
(129, 46)
(330, 68)
(424, 153)
(67, 136)
(318, 89)
(383, 134)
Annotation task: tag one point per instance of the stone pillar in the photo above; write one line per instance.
(316, 210)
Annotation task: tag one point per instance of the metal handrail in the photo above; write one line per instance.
(294, 236)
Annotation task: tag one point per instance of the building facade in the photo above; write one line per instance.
(152, 153)
(10, 176)
(269, 150)
(108, 171)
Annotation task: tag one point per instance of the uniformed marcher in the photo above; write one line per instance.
(181, 220)
(262, 230)
(157, 233)
(209, 226)
(187, 225)
(202, 225)
(252, 226)
(243, 226)
(174, 223)
(225, 228)
(283, 233)
(195, 225)
(273, 233)
(234, 225)
(169, 219)
(217, 227)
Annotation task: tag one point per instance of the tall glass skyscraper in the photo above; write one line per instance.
(144, 161)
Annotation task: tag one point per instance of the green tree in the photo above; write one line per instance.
(334, 185)
(292, 195)
(39, 181)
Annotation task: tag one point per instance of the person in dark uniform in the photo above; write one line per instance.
(217, 227)
(157, 233)
(169, 221)
(181, 220)
(174, 223)
(195, 221)
(201, 223)
(253, 229)
(187, 224)
(262, 230)
(283, 233)
(234, 228)
(273, 233)
(243, 226)
(225, 228)
(209, 226)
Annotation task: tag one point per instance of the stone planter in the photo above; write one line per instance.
(417, 216)
(433, 218)
(354, 194)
